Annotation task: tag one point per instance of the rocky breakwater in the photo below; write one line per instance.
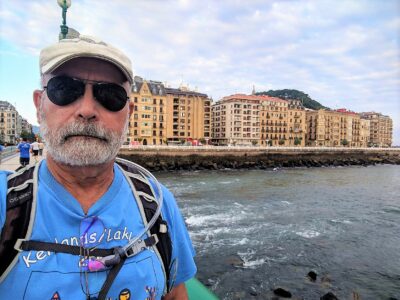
(215, 158)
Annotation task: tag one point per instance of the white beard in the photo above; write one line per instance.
(82, 143)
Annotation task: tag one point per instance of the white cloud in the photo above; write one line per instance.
(342, 53)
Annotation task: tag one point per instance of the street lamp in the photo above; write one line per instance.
(64, 4)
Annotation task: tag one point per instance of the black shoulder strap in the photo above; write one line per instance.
(18, 215)
(164, 245)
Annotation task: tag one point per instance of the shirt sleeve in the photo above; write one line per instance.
(182, 249)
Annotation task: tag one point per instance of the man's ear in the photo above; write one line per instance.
(131, 106)
(37, 100)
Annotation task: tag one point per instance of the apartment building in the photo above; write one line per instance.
(8, 123)
(323, 128)
(189, 116)
(347, 128)
(147, 124)
(296, 123)
(255, 119)
(381, 129)
(364, 132)
(236, 120)
(166, 115)
(274, 121)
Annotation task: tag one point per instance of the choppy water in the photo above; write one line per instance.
(344, 223)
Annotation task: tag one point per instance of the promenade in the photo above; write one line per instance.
(11, 163)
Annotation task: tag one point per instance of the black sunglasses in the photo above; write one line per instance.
(63, 90)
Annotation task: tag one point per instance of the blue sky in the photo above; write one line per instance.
(342, 53)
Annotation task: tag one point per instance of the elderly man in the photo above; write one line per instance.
(89, 233)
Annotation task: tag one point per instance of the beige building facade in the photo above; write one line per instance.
(296, 123)
(336, 128)
(364, 132)
(188, 116)
(147, 124)
(166, 116)
(236, 120)
(258, 120)
(9, 129)
(274, 121)
(323, 128)
(381, 129)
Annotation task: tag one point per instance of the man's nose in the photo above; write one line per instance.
(87, 105)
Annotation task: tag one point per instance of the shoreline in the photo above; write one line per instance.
(188, 159)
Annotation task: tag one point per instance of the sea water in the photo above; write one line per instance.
(254, 230)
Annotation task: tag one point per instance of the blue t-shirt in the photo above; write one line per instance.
(46, 275)
(24, 148)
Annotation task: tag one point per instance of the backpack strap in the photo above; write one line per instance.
(21, 210)
(20, 215)
(143, 190)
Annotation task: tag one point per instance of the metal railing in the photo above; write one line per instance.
(8, 151)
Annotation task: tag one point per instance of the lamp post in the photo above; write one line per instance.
(64, 4)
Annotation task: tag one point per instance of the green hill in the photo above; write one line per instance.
(294, 94)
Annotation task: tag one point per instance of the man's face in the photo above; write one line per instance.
(83, 133)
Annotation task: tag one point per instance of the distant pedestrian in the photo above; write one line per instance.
(41, 147)
(24, 148)
(35, 150)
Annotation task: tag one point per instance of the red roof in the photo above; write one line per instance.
(345, 111)
(253, 97)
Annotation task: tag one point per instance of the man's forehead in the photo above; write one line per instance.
(85, 68)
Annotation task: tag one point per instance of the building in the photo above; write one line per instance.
(8, 123)
(188, 117)
(364, 132)
(258, 120)
(296, 123)
(147, 124)
(236, 120)
(323, 128)
(381, 129)
(274, 121)
(165, 115)
(349, 128)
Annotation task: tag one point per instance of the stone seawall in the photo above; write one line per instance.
(204, 158)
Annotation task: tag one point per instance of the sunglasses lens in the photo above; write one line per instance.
(91, 232)
(63, 90)
(112, 96)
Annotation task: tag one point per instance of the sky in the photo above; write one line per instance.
(342, 53)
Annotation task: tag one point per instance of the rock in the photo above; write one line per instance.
(253, 293)
(355, 296)
(281, 292)
(235, 261)
(326, 281)
(312, 275)
(329, 296)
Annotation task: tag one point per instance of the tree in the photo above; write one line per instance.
(27, 135)
(295, 95)
(344, 142)
(281, 142)
(297, 141)
(254, 142)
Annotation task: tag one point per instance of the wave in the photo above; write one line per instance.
(309, 234)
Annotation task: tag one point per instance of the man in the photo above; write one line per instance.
(35, 150)
(83, 197)
(41, 147)
(24, 148)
